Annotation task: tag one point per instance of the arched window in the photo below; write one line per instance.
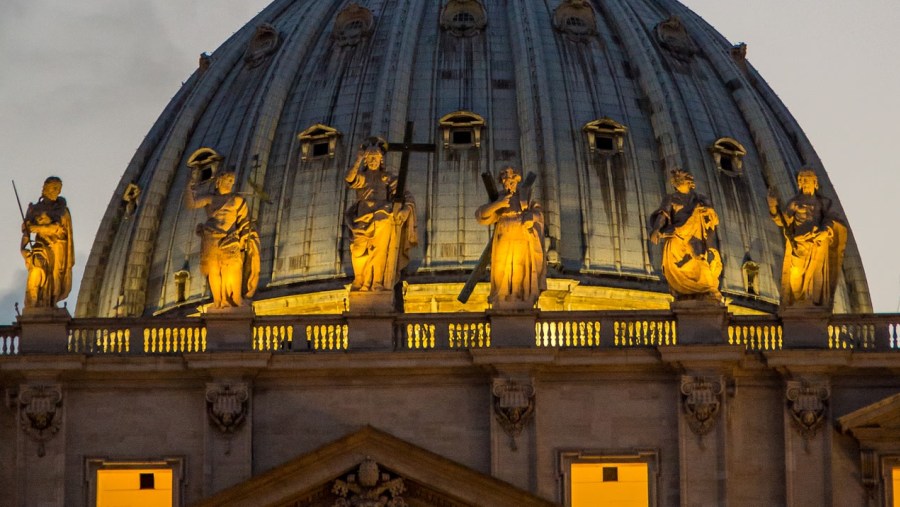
(318, 141)
(575, 19)
(352, 25)
(461, 130)
(728, 154)
(750, 270)
(263, 44)
(463, 18)
(204, 163)
(605, 136)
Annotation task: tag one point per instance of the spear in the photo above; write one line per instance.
(21, 213)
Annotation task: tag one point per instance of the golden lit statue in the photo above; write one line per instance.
(229, 248)
(47, 248)
(685, 220)
(382, 227)
(814, 247)
(518, 260)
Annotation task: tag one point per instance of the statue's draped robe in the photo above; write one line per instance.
(373, 231)
(689, 262)
(52, 251)
(518, 262)
(229, 246)
(812, 256)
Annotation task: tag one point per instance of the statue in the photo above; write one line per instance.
(229, 248)
(382, 224)
(685, 220)
(47, 248)
(518, 260)
(815, 237)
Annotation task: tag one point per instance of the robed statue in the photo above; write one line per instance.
(518, 259)
(815, 238)
(685, 222)
(47, 248)
(229, 247)
(381, 220)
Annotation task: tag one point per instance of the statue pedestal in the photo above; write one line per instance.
(229, 328)
(370, 320)
(372, 302)
(44, 331)
(700, 322)
(512, 329)
(805, 327)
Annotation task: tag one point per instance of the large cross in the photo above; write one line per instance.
(405, 148)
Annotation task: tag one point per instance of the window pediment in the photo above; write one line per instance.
(205, 161)
(728, 154)
(461, 129)
(463, 18)
(605, 136)
(318, 141)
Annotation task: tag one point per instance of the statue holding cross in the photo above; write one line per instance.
(382, 218)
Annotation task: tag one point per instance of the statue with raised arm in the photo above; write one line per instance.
(684, 221)
(518, 259)
(815, 237)
(229, 247)
(47, 248)
(382, 223)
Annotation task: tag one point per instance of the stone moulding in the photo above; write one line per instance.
(807, 404)
(513, 406)
(227, 405)
(40, 412)
(702, 400)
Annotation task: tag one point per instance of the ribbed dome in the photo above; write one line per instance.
(599, 98)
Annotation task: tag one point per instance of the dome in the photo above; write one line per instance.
(600, 99)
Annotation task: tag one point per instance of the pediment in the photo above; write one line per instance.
(878, 422)
(333, 474)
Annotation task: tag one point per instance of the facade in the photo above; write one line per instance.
(605, 391)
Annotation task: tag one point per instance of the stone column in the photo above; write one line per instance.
(702, 438)
(41, 445)
(229, 445)
(807, 443)
(512, 429)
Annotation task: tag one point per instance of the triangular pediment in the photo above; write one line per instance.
(428, 479)
(878, 422)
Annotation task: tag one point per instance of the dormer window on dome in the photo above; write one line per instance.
(750, 271)
(463, 18)
(728, 154)
(352, 25)
(318, 141)
(575, 19)
(462, 130)
(673, 36)
(263, 45)
(204, 164)
(605, 136)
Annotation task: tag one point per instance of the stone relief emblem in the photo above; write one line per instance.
(40, 412)
(808, 405)
(673, 36)
(513, 407)
(369, 487)
(701, 399)
(575, 19)
(463, 18)
(227, 405)
(352, 25)
(263, 45)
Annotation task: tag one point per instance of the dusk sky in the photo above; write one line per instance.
(82, 83)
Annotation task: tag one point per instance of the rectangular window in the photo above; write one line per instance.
(620, 479)
(134, 483)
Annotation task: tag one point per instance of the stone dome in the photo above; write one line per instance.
(600, 99)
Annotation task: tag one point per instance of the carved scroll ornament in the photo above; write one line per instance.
(807, 404)
(702, 399)
(513, 407)
(40, 412)
(227, 405)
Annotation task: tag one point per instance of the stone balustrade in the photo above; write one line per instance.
(447, 331)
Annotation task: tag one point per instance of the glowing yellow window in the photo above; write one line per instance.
(610, 485)
(895, 485)
(134, 488)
